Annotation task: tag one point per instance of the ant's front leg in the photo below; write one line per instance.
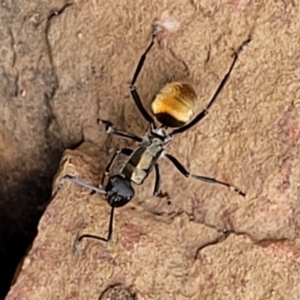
(79, 182)
(125, 151)
(97, 237)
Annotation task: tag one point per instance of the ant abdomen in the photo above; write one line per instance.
(173, 105)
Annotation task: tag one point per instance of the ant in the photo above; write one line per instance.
(173, 107)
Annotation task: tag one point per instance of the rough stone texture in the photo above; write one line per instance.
(204, 242)
(150, 257)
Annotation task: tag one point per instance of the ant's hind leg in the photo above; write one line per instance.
(183, 171)
(204, 112)
(132, 87)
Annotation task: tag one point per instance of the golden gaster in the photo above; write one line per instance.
(174, 104)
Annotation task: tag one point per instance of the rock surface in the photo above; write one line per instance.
(66, 64)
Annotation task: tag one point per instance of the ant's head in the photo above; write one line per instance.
(119, 191)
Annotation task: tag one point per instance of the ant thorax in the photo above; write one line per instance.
(161, 134)
(161, 131)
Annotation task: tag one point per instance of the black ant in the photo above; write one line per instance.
(173, 107)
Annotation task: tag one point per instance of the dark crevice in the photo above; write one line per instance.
(182, 62)
(12, 43)
(55, 82)
(21, 196)
(118, 291)
(26, 186)
(53, 14)
(213, 242)
(225, 234)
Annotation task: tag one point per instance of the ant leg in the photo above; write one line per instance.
(125, 151)
(183, 171)
(96, 237)
(203, 113)
(80, 182)
(111, 130)
(132, 87)
(157, 180)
